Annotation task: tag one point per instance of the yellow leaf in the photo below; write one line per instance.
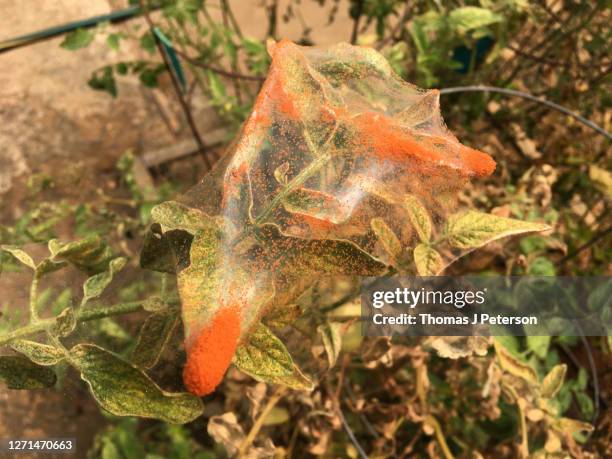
(473, 229)
(514, 366)
(387, 238)
(419, 217)
(428, 262)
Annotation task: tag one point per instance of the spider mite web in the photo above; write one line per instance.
(335, 139)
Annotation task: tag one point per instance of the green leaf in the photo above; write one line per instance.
(473, 229)
(103, 79)
(41, 354)
(147, 42)
(124, 390)
(113, 40)
(541, 266)
(217, 88)
(538, 345)
(18, 372)
(77, 39)
(96, 284)
(427, 260)
(264, 357)
(419, 217)
(469, 18)
(332, 341)
(153, 337)
(19, 254)
(172, 215)
(514, 366)
(387, 238)
(91, 255)
(553, 381)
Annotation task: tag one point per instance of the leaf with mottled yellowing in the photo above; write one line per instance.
(332, 341)
(41, 354)
(514, 366)
(96, 284)
(473, 229)
(264, 357)
(282, 316)
(419, 217)
(316, 204)
(124, 390)
(427, 260)
(198, 283)
(65, 322)
(91, 255)
(387, 238)
(553, 381)
(153, 337)
(18, 372)
(317, 256)
(572, 426)
(20, 255)
(172, 215)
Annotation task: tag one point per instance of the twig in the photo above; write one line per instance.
(219, 71)
(248, 441)
(584, 246)
(351, 434)
(358, 11)
(525, 95)
(433, 422)
(83, 316)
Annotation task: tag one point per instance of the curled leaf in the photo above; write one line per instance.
(91, 255)
(514, 366)
(264, 357)
(332, 341)
(553, 381)
(124, 390)
(96, 284)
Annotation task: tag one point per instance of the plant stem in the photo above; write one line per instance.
(33, 296)
(248, 441)
(440, 437)
(83, 316)
(296, 182)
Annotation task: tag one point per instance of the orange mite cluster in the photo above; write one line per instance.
(211, 354)
(305, 94)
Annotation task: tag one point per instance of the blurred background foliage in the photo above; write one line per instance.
(550, 168)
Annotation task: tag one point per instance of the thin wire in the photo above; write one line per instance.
(525, 95)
